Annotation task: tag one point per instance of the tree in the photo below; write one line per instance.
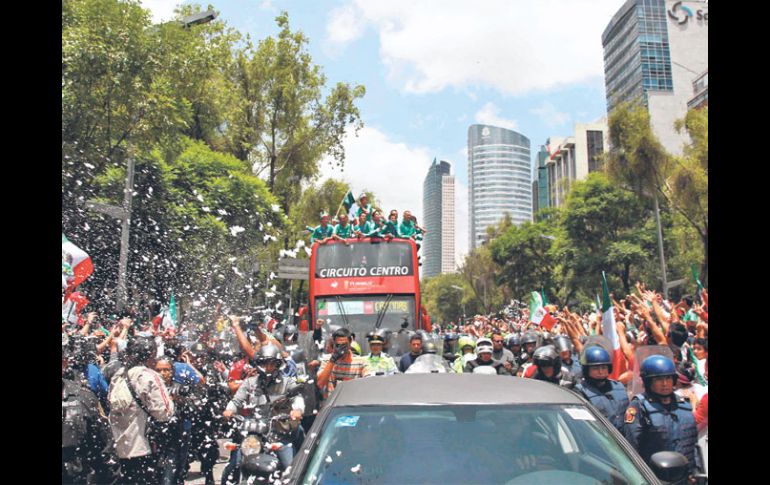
(523, 255)
(688, 184)
(480, 272)
(443, 301)
(198, 221)
(285, 125)
(601, 227)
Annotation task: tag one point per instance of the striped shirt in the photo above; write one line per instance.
(345, 371)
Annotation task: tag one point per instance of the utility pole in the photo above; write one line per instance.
(660, 248)
(128, 194)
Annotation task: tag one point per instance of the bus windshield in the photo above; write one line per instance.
(365, 259)
(361, 311)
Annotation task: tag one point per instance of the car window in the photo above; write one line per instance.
(472, 444)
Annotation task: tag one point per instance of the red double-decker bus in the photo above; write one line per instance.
(368, 283)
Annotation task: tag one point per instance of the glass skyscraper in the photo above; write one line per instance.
(653, 51)
(636, 52)
(438, 209)
(499, 179)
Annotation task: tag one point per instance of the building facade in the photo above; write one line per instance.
(438, 246)
(499, 179)
(653, 51)
(572, 158)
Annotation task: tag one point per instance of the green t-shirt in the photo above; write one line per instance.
(391, 228)
(320, 233)
(407, 229)
(368, 212)
(375, 230)
(343, 232)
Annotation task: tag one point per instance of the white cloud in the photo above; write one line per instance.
(394, 171)
(514, 46)
(161, 10)
(550, 116)
(488, 115)
(343, 25)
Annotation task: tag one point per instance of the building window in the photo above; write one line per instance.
(595, 141)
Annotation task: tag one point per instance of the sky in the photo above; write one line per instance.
(432, 68)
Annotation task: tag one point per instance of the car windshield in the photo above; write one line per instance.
(468, 444)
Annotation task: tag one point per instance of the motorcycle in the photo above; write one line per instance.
(261, 442)
(259, 459)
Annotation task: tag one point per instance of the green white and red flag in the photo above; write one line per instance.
(537, 313)
(609, 330)
(78, 261)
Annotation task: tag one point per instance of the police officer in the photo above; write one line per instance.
(564, 347)
(606, 395)
(513, 343)
(84, 432)
(379, 362)
(529, 344)
(547, 365)
(259, 391)
(484, 350)
(658, 420)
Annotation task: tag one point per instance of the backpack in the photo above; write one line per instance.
(73, 424)
(120, 396)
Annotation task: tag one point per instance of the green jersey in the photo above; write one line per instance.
(369, 211)
(364, 228)
(344, 232)
(320, 233)
(407, 229)
(383, 364)
(391, 228)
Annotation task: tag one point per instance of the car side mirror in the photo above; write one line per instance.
(669, 466)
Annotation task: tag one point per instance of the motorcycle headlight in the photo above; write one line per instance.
(251, 446)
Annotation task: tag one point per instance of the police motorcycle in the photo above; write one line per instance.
(429, 364)
(260, 444)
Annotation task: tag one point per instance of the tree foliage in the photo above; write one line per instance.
(444, 302)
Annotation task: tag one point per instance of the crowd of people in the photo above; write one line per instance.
(140, 402)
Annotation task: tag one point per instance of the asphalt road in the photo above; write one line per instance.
(194, 476)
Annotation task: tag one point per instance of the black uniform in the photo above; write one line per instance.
(84, 437)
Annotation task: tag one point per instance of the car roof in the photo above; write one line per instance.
(409, 389)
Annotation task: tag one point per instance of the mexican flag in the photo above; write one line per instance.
(609, 331)
(537, 313)
(348, 201)
(169, 316)
(76, 261)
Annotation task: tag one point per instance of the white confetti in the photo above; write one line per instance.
(200, 198)
(222, 212)
(356, 468)
(276, 208)
(328, 459)
(308, 251)
(205, 209)
(339, 453)
(235, 230)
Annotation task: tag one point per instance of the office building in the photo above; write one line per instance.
(568, 159)
(499, 179)
(438, 246)
(653, 51)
